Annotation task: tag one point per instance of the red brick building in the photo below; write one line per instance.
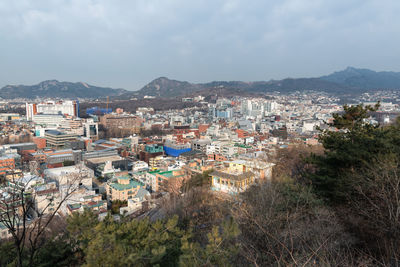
(6, 164)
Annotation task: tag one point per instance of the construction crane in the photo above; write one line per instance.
(108, 99)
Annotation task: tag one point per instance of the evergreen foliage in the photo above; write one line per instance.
(354, 146)
(359, 176)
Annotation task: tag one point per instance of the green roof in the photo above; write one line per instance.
(242, 146)
(121, 187)
(154, 148)
(96, 205)
(167, 174)
(156, 171)
(75, 206)
(170, 174)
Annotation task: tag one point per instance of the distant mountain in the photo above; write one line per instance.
(56, 89)
(164, 87)
(350, 80)
(365, 78)
(298, 84)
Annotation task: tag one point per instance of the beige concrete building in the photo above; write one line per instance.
(123, 188)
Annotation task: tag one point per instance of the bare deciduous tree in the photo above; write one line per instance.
(288, 227)
(27, 214)
(375, 207)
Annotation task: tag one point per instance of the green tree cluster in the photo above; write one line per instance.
(354, 146)
(198, 180)
(359, 176)
(117, 204)
(145, 243)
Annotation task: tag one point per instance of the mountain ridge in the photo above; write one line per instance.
(365, 78)
(347, 81)
(56, 89)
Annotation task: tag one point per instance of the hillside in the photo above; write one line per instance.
(350, 80)
(365, 78)
(164, 87)
(55, 89)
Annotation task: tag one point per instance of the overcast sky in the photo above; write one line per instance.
(126, 44)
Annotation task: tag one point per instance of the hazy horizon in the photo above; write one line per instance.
(170, 78)
(125, 45)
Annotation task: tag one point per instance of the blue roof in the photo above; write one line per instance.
(175, 152)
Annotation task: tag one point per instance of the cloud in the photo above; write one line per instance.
(127, 43)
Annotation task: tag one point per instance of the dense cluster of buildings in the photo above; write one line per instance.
(66, 165)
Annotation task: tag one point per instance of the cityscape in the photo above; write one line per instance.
(129, 165)
(200, 134)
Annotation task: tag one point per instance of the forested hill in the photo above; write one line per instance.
(345, 81)
(56, 89)
(350, 80)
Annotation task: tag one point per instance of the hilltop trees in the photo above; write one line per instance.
(358, 175)
(134, 243)
(146, 243)
(355, 145)
(285, 224)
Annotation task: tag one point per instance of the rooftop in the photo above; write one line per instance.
(66, 170)
(121, 187)
(142, 193)
(238, 161)
(167, 174)
(100, 160)
(54, 132)
(170, 174)
(232, 176)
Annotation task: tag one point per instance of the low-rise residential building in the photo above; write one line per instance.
(122, 188)
(135, 204)
(138, 166)
(232, 180)
(76, 175)
(155, 162)
(47, 198)
(151, 151)
(170, 181)
(201, 144)
(7, 164)
(90, 202)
